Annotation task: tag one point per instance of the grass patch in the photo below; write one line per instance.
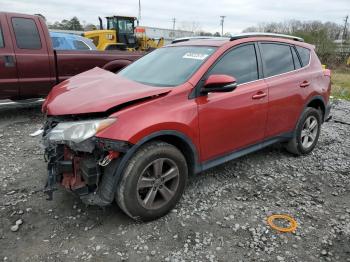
(341, 83)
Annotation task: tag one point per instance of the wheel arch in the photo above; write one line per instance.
(175, 138)
(317, 102)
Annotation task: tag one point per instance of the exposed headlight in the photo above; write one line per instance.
(78, 131)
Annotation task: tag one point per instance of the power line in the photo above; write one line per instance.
(222, 24)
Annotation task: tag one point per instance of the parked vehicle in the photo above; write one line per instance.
(121, 34)
(65, 41)
(136, 135)
(30, 66)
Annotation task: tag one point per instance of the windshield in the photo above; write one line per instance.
(169, 66)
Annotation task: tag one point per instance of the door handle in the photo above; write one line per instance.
(305, 84)
(259, 95)
(9, 61)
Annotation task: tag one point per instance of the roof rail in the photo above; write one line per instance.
(245, 35)
(183, 39)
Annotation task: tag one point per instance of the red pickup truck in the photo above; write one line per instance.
(30, 67)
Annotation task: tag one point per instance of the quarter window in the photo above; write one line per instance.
(2, 44)
(277, 59)
(26, 33)
(304, 54)
(240, 63)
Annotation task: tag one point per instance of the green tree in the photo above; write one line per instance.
(72, 24)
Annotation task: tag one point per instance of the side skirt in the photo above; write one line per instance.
(241, 152)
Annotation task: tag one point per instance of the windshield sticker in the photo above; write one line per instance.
(197, 56)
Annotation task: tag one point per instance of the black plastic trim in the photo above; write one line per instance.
(244, 151)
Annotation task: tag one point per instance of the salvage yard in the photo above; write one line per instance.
(222, 216)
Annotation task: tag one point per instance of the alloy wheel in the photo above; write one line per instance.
(309, 132)
(158, 183)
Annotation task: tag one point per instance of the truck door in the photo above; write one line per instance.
(32, 56)
(8, 70)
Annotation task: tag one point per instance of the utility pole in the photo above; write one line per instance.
(345, 30)
(139, 18)
(174, 22)
(222, 24)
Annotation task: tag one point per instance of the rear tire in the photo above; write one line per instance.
(306, 133)
(153, 181)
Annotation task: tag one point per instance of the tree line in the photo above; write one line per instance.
(331, 40)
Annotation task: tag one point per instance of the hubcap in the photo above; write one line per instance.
(309, 132)
(158, 183)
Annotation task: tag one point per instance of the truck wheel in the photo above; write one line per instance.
(306, 133)
(153, 181)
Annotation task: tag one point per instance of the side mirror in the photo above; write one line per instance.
(219, 83)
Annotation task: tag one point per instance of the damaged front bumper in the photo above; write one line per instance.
(87, 168)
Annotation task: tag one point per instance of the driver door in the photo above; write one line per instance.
(233, 120)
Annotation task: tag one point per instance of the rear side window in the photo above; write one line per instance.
(240, 63)
(304, 54)
(296, 59)
(277, 59)
(26, 33)
(2, 44)
(80, 45)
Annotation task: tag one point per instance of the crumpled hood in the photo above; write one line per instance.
(95, 91)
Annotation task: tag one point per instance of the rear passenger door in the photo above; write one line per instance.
(8, 69)
(32, 56)
(286, 95)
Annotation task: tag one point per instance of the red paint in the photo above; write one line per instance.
(216, 123)
(36, 71)
(219, 79)
(72, 181)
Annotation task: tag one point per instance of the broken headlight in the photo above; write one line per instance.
(78, 131)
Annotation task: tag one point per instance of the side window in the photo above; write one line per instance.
(2, 44)
(26, 33)
(297, 64)
(240, 63)
(80, 45)
(304, 54)
(278, 59)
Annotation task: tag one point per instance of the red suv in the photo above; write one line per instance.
(136, 135)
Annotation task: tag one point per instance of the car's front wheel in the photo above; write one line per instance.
(306, 133)
(153, 181)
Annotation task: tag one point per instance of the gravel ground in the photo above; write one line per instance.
(222, 216)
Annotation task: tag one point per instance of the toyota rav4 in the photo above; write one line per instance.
(135, 136)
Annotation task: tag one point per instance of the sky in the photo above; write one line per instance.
(205, 14)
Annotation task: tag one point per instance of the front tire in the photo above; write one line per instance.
(153, 181)
(307, 132)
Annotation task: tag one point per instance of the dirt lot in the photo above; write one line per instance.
(222, 216)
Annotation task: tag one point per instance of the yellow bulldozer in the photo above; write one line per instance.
(121, 34)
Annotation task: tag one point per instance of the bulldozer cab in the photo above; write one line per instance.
(124, 27)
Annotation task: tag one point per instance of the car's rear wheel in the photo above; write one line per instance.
(153, 181)
(306, 133)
